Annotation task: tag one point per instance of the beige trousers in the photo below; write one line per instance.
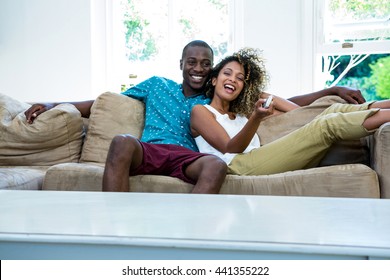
(306, 146)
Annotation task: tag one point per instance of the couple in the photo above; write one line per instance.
(167, 146)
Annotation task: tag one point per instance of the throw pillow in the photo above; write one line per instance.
(54, 137)
(111, 114)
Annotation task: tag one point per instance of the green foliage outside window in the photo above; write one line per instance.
(140, 43)
(381, 77)
(372, 76)
(361, 9)
(147, 25)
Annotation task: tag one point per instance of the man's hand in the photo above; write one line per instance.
(35, 110)
(351, 95)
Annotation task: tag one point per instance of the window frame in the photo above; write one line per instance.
(359, 47)
(112, 33)
(321, 48)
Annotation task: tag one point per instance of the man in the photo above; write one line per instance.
(167, 117)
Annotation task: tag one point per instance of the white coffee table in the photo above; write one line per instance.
(96, 225)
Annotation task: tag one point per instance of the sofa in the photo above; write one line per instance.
(61, 151)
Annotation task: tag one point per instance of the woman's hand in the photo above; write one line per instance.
(260, 112)
(281, 105)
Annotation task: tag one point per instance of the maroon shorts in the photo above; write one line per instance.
(166, 159)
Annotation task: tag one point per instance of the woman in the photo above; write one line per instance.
(227, 127)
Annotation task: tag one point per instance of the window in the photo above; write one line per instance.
(149, 35)
(348, 22)
(353, 45)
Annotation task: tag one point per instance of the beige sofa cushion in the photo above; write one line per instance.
(55, 136)
(111, 114)
(22, 177)
(350, 180)
(346, 180)
(89, 177)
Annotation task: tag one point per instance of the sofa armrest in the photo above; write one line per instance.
(380, 158)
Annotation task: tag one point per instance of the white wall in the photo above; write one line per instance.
(276, 28)
(45, 49)
(56, 50)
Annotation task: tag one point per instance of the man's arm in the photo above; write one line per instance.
(353, 96)
(36, 109)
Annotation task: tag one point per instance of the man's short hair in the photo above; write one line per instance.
(197, 43)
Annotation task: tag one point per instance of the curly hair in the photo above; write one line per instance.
(256, 79)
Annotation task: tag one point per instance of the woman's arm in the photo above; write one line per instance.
(281, 104)
(203, 123)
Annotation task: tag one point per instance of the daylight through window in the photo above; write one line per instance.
(154, 33)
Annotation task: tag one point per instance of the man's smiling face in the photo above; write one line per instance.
(196, 65)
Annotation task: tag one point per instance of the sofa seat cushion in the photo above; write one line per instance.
(56, 136)
(22, 177)
(350, 180)
(89, 177)
(346, 180)
(74, 177)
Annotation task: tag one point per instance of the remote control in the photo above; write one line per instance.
(267, 102)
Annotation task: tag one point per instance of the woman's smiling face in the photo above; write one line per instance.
(230, 81)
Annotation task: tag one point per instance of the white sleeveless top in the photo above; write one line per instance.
(232, 127)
